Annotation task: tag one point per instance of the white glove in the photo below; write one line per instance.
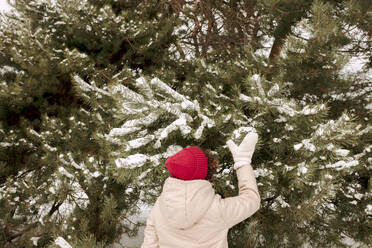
(242, 154)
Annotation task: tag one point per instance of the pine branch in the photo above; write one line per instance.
(55, 207)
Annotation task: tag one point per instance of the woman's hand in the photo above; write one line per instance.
(242, 154)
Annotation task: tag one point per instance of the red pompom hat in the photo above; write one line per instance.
(188, 164)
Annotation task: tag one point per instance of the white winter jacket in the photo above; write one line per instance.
(190, 214)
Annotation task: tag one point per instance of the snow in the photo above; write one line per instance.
(282, 202)
(171, 150)
(328, 176)
(364, 152)
(175, 108)
(288, 127)
(286, 107)
(64, 172)
(142, 83)
(368, 209)
(309, 146)
(341, 152)
(34, 133)
(354, 66)
(48, 147)
(52, 190)
(273, 90)
(305, 144)
(257, 79)
(129, 190)
(358, 196)
(99, 117)
(301, 169)
(330, 147)
(228, 183)
(130, 127)
(354, 202)
(143, 174)
(311, 111)
(340, 165)
(5, 144)
(136, 143)
(179, 124)
(87, 87)
(237, 133)
(34, 240)
(245, 98)
(227, 118)
(96, 174)
(263, 172)
(165, 88)
(73, 163)
(132, 161)
(365, 130)
(280, 119)
(76, 198)
(127, 94)
(62, 243)
(297, 146)
(206, 122)
(209, 86)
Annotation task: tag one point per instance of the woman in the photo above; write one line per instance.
(188, 213)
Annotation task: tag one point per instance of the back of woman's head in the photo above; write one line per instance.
(192, 163)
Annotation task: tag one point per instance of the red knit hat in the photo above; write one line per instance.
(188, 164)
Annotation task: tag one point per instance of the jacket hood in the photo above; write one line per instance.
(183, 203)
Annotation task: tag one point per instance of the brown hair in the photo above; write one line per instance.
(213, 165)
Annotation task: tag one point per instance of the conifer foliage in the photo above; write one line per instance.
(95, 95)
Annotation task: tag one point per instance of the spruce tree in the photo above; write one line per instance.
(95, 95)
(299, 161)
(55, 177)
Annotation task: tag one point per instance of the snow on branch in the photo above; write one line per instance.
(284, 106)
(180, 123)
(333, 127)
(206, 122)
(132, 161)
(61, 242)
(136, 143)
(138, 160)
(84, 86)
(326, 134)
(340, 165)
(127, 94)
(152, 106)
(142, 84)
(165, 88)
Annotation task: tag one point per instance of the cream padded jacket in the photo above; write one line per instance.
(190, 214)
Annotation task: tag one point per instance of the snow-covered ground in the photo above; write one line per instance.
(134, 242)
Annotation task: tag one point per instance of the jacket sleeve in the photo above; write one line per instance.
(150, 237)
(238, 208)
